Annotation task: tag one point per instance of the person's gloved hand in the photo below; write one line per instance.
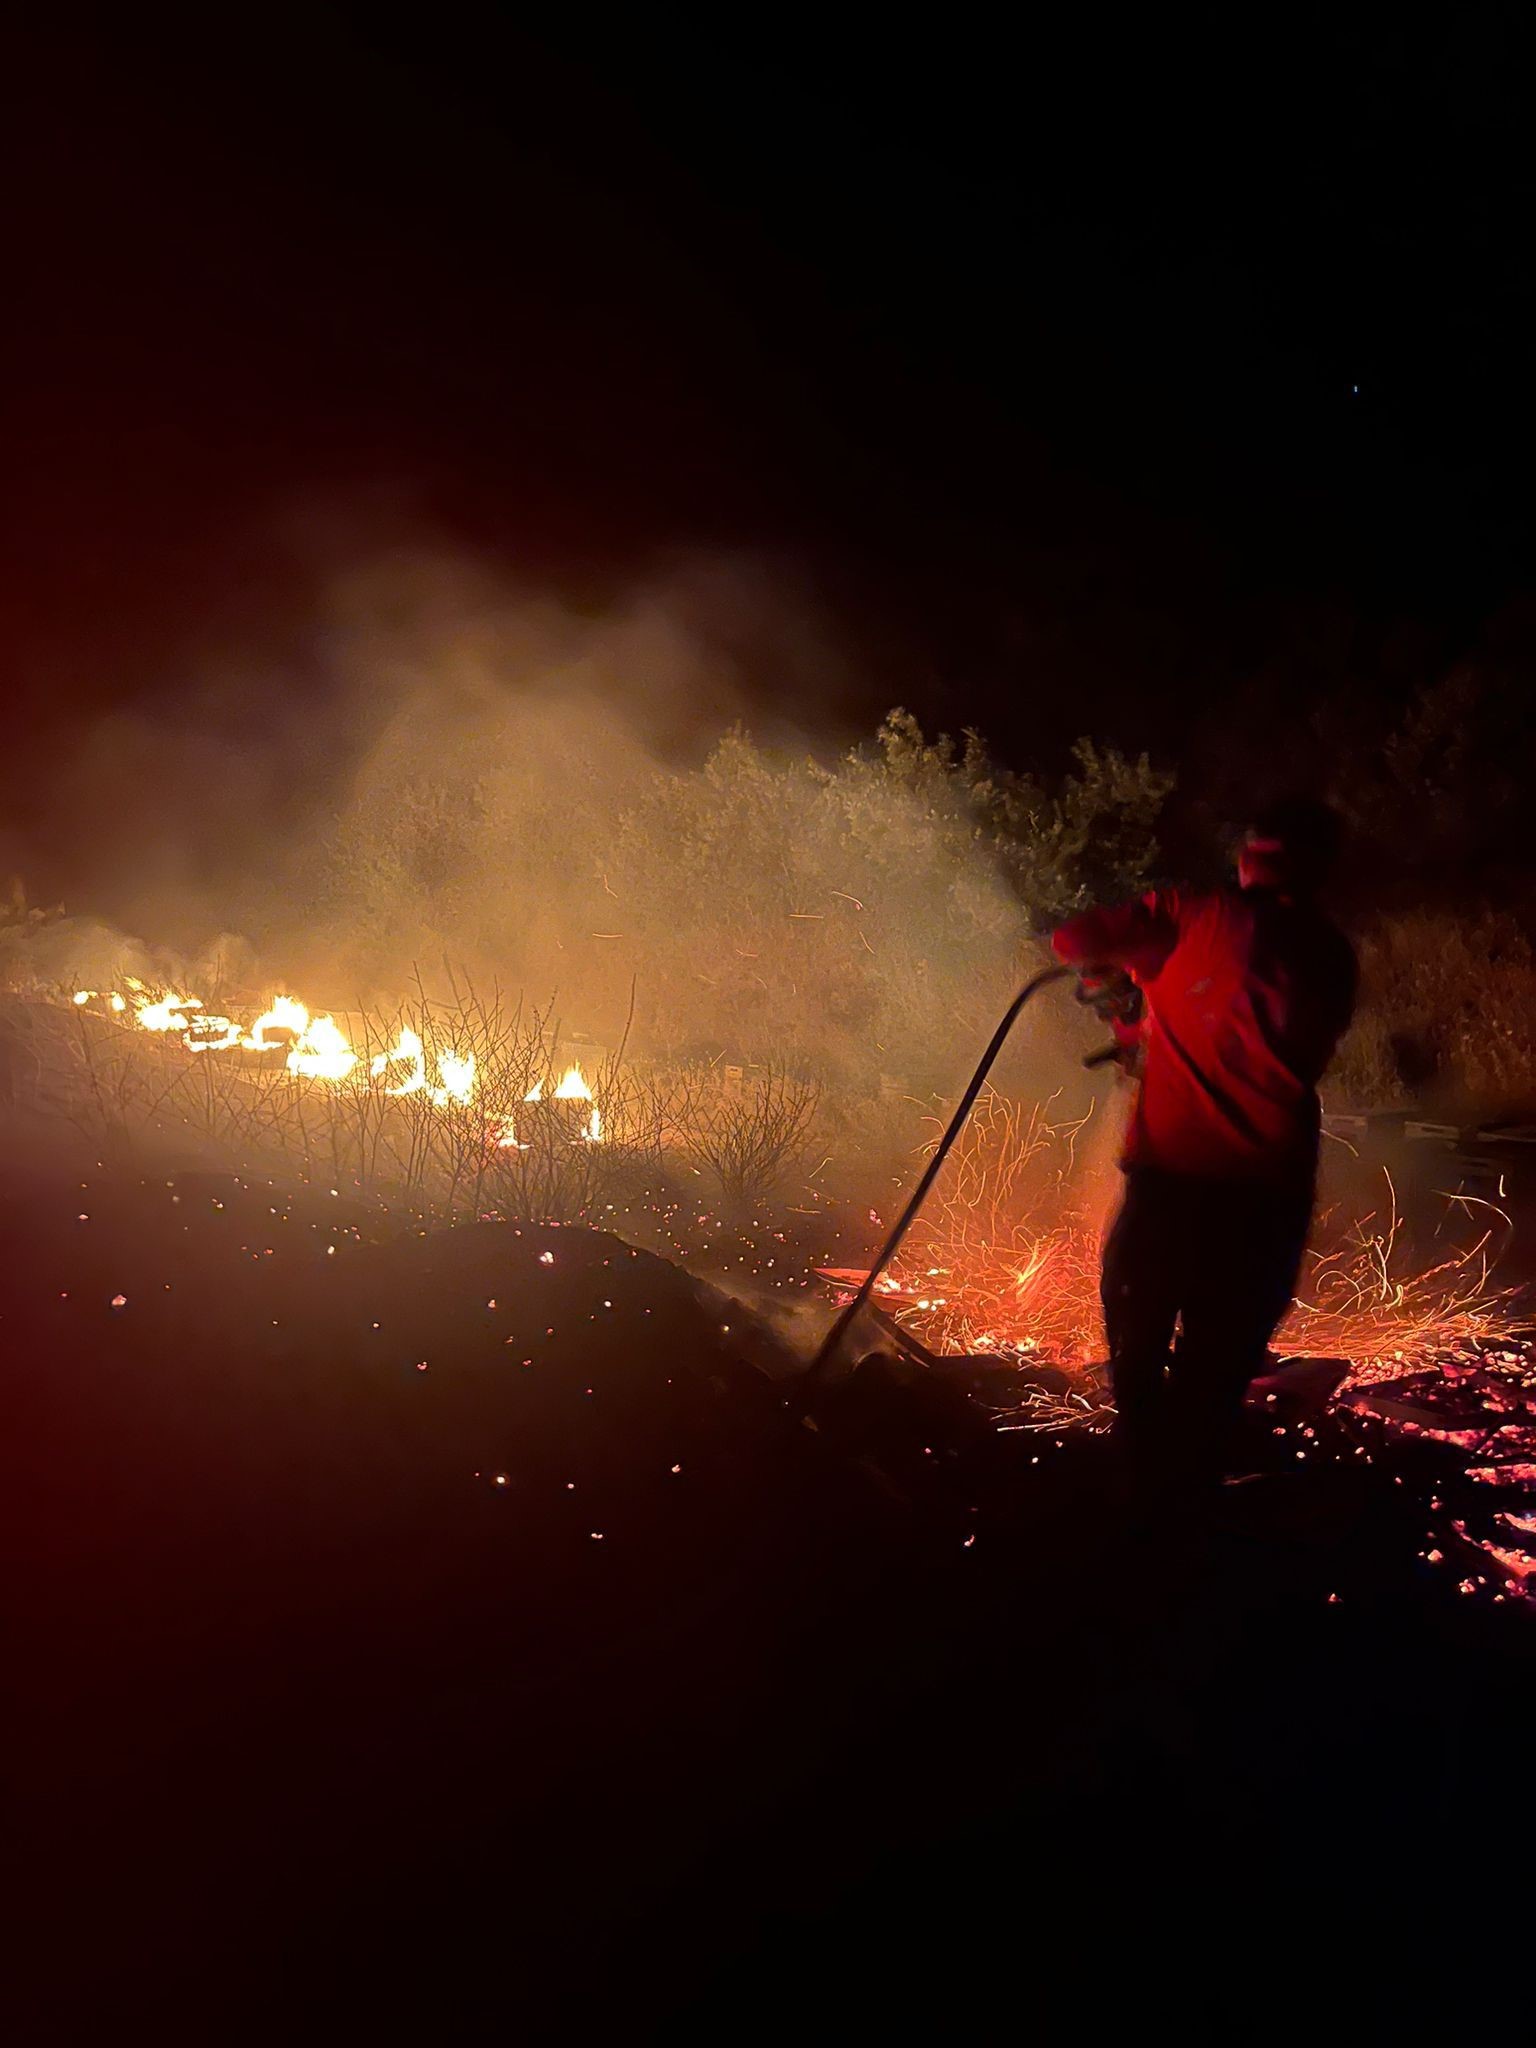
(1109, 992)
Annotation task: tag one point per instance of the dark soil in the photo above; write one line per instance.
(427, 1635)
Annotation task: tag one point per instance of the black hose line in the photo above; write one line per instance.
(834, 1337)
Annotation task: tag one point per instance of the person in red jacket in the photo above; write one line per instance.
(1247, 993)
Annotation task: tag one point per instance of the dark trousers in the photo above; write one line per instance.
(1216, 1260)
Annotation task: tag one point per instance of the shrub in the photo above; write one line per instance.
(1446, 1013)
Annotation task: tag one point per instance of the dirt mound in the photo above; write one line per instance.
(437, 1425)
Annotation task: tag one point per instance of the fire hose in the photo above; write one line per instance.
(831, 1343)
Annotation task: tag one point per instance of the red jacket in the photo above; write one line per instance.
(1247, 995)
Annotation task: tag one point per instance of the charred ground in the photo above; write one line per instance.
(456, 1628)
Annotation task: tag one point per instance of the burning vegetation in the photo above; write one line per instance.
(779, 966)
(465, 1106)
(449, 1107)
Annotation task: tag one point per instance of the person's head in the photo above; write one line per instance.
(1291, 846)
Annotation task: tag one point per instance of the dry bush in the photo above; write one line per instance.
(833, 915)
(1366, 1071)
(854, 917)
(745, 1128)
(1446, 1015)
(868, 1144)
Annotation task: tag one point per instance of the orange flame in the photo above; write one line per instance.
(316, 1048)
(321, 1052)
(410, 1052)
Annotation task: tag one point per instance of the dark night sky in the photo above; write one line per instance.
(1035, 358)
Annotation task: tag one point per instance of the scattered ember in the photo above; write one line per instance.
(1008, 1264)
(1005, 1266)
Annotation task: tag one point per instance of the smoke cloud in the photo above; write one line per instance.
(447, 776)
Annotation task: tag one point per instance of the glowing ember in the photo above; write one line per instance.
(1356, 1302)
(1008, 1263)
(1007, 1259)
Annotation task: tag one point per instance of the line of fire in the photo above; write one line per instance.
(470, 1108)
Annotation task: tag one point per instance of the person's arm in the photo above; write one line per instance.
(1137, 936)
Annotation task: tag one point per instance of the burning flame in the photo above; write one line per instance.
(409, 1050)
(211, 1034)
(321, 1053)
(285, 1015)
(573, 1088)
(169, 1013)
(318, 1049)
(456, 1078)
